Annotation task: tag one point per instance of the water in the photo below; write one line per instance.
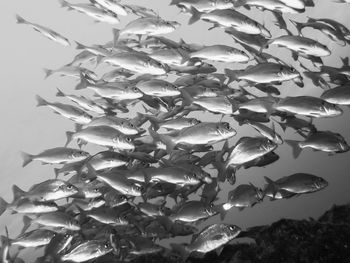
(25, 127)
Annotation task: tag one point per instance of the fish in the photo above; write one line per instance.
(112, 6)
(221, 53)
(49, 33)
(202, 133)
(244, 195)
(298, 183)
(59, 155)
(35, 238)
(125, 126)
(203, 6)
(267, 132)
(88, 250)
(230, 18)
(158, 88)
(27, 206)
(102, 135)
(272, 5)
(71, 112)
(325, 141)
(192, 211)
(210, 238)
(308, 106)
(149, 26)
(97, 14)
(69, 70)
(264, 73)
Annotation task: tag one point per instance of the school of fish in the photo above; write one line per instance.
(158, 172)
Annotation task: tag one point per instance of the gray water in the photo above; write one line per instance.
(24, 53)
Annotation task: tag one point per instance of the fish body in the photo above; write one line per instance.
(49, 33)
(339, 95)
(88, 250)
(221, 53)
(244, 195)
(228, 18)
(203, 6)
(272, 5)
(123, 125)
(192, 211)
(54, 219)
(35, 238)
(112, 6)
(158, 88)
(308, 106)
(104, 136)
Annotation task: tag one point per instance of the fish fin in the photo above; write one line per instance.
(48, 72)
(175, 2)
(26, 223)
(187, 99)
(273, 186)
(153, 120)
(295, 146)
(69, 135)
(345, 61)
(166, 139)
(222, 211)
(57, 172)
(82, 84)
(79, 45)
(3, 206)
(231, 74)
(116, 34)
(182, 250)
(27, 158)
(59, 93)
(17, 192)
(20, 20)
(196, 15)
(40, 101)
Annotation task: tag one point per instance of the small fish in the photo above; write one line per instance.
(59, 155)
(244, 195)
(230, 18)
(192, 211)
(71, 112)
(88, 250)
(102, 135)
(49, 190)
(57, 245)
(266, 132)
(158, 88)
(149, 26)
(53, 219)
(210, 238)
(106, 215)
(272, 5)
(92, 11)
(26, 206)
(50, 34)
(123, 125)
(308, 106)
(35, 238)
(69, 70)
(221, 53)
(203, 6)
(298, 183)
(325, 141)
(264, 73)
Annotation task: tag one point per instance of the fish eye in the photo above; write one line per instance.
(231, 228)
(292, 69)
(96, 190)
(135, 89)
(128, 139)
(67, 235)
(123, 197)
(226, 125)
(132, 125)
(69, 186)
(106, 245)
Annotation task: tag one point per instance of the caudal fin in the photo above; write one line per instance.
(27, 158)
(116, 34)
(69, 137)
(59, 93)
(295, 147)
(27, 221)
(299, 26)
(3, 206)
(17, 192)
(196, 15)
(181, 250)
(48, 72)
(40, 101)
(20, 20)
(232, 75)
(166, 139)
(271, 186)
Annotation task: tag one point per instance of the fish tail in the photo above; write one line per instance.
(3, 206)
(82, 84)
(187, 99)
(196, 15)
(298, 25)
(295, 146)
(57, 172)
(17, 192)
(48, 72)
(79, 45)
(40, 101)
(232, 75)
(27, 221)
(166, 139)
(270, 184)
(116, 34)
(153, 120)
(59, 93)
(182, 250)
(283, 125)
(27, 158)
(64, 3)
(20, 20)
(222, 209)
(69, 135)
